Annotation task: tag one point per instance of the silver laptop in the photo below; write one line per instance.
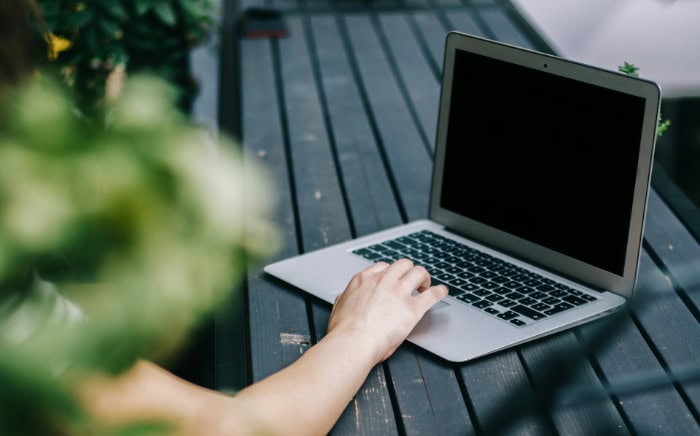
(540, 181)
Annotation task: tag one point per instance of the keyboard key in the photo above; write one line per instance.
(525, 289)
(532, 282)
(491, 310)
(489, 274)
(588, 297)
(558, 308)
(517, 322)
(362, 251)
(478, 280)
(558, 293)
(507, 303)
(551, 301)
(527, 301)
(444, 277)
(540, 307)
(500, 279)
(454, 270)
(512, 284)
(538, 295)
(482, 293)
(495, 298)
(526, 311)
(545, 288)
(465, 275)
(515, 296)
(395, 245)
(458, 282)
(482, 304)
(501, 291)
(490, 285)
(470, 287)
(379, 247)
(572, 299)
(508, 315)
(469, 298)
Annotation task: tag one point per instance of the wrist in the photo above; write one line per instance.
(356, 344)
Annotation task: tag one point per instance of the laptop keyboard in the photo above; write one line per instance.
(499, 288)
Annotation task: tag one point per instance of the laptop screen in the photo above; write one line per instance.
(546, 158)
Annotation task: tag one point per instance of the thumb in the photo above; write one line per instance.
(427, 298)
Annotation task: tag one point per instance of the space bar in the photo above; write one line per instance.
(526, 311)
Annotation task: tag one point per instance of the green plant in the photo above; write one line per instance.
(631, 70)
(144, 223)
(93, 39)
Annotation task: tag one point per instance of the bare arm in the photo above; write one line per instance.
(369, 321)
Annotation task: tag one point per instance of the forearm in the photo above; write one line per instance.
(308, 396)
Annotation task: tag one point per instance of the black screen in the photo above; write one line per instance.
(548, 159)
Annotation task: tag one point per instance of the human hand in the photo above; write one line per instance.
(379, 307)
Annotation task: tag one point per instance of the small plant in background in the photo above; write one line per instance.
(145, 224)
(631, 70)
(93, 41)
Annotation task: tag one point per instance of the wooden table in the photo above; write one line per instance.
(343, 114)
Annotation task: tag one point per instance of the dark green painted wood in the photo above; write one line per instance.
(370, 196)
(322, 215)
(676, 248)
(434, 34)
(569, 416)
(498, 385)
(276, 313)
(504, 28)
(414, 72)
(407, 155)
(627, 357)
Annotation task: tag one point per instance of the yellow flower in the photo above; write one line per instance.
(57, 45)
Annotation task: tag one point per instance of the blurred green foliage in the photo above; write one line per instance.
(145, 223)
(100, 36)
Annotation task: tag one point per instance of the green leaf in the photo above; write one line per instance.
(116, 9)
(629, 69)
(109, 27)
(165, 12)
(142, 6)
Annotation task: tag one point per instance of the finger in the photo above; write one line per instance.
(398, 269)
(415, 278)
(427, 299)
(378, 267)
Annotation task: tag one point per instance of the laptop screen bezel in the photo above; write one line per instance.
(528, 251)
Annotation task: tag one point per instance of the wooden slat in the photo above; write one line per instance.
(428, 394)
(368, 188)
(463, 21)
(670, 327)
(490, 384)
(504, 28)
(434, 34)
(675, 247)
(425, 390)
(414, 72)
(408, 157)
(627, 356)
(569, 416)
(277, 315)
(322, 214)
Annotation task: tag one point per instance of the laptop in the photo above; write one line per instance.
(540, 182)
